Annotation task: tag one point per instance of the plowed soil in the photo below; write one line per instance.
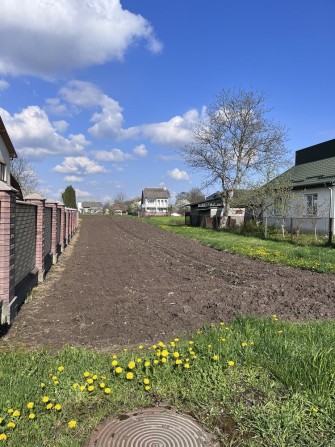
(123, 282)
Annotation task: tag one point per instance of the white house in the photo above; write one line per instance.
(7, 152)
(155, 202)
(313, 179)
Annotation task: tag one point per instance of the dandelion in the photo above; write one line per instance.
(147, 388)
(178, 362)
(87, 374)
(176, 355)
(176, 340)
(42, 385)
(164, 360)
(115, 363)
(107, 390)
(89, 381)
(58, 407)
(56, 382)
(164, 353)
(215, 357)
(146, 381)
(155, 362)
(173, 344)
(75, 385)
(140, 347)
(31, 416)
(16, 413)
(60, 368)
(45, 399)
(231, 363)
(186, 365)
(49, 406)
(209, 346)
(114, 356)
(94, 377)
(82, 388)
(90, 388)
(11, 425)
(154, 346)
(131, 365)
(221, 323)
(139, 360)
(72, 423)
(191, 342)
(279, 332)
(3, 436)
(10, 410)
(129, 376)
(146, 364)
(161, 344)
(118, 370)
(244, 344)
(54, 377)
(102, 385)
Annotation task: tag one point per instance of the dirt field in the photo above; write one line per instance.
(124, 282)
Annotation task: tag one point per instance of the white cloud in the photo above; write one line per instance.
(114, 155)
(140, 150)
(60, 126)
(3, 84)
(79, 165)
(83, 194)
(70, 34)
(177, 174)
(73, 179)
(35, 137)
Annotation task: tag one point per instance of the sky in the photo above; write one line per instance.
(102, 94)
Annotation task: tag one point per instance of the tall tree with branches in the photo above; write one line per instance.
(235, 140)
(25, 175)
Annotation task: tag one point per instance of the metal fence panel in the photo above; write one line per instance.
(25, 240)
(47, 231)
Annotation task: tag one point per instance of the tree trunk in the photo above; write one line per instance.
(226, 199)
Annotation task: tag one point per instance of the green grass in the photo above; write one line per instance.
(279, 392)
(310, 256)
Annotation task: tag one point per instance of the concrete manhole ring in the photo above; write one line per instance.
(151, 428)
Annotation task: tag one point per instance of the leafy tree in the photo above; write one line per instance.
(69, 197)
(25, 175)
(235, 140)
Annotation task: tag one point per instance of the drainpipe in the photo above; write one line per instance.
(330, 236)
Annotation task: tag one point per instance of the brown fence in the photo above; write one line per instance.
(33, 233)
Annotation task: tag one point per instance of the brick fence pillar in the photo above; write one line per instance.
(7, 252)
(38, 200)
(53, 205)
(67, 215)
(61, 206)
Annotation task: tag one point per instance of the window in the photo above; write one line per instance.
(2, 172)
(312, 204)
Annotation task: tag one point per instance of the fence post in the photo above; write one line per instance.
(53, 205)
(38, 200)
(61, 206)
(7, 254)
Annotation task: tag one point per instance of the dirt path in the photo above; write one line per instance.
(125, 282)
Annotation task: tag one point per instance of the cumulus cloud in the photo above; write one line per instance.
(70, 34)
(114, 155)
(177, 174)
(83, 194)
(3, 84)
(35, 137)
(60, 126)
(79, 165)
(73, 179)
(140, 150)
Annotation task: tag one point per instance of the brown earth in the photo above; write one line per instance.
(123, 282)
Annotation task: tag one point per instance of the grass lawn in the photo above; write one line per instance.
(306, 255)
(258, 382)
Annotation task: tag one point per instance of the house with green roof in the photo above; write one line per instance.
(313, 181)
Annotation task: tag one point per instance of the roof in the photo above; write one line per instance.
(91, 205)
(155, 193)
(7, 140)
(315, 173)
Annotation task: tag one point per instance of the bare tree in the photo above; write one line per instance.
(236, 139)
(120, 199)
(25, 175)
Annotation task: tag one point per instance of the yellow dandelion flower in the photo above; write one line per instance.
(3, 436)
(176, 355)
(114, 356)
(161, 344)
(154, 346)
(72, 423)
(164, 353)
(58, 407)
(60, 368)
(16, 413)
(215, 357)
(11, 424)
(42, 385)
(191, 342)
(244, 344)
(115, 363)
(49, 406)
(139, 360)
(176, 340)
(147, 388)
(89, 381)
(155, 362)
(131, 365)
(90, 388)
(178, 362)
(75, 385)
(82, 388)
(129, 376)
(118, 370)
(146, 381)
(252, 343)
(231, 363)
(102, 385)
(209, 346)
(87, 374)
(95, 377)
(173, 344)
(140, 347)
(107, 390)
(279, 332)
(10, 410)
(54, 377)
(186, 365)
(56, 382)
(45, 399)
(221, 323)
(164, 360)
(32, 416)
(147, 363)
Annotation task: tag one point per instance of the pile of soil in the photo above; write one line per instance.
(123, 282)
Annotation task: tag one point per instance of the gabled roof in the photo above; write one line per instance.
(7, 140)
(91, 205)
(155, 193)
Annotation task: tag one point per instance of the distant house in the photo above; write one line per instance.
(7, 152)
(313, 180)
(155, 202)
(208, 213)
(90, 207)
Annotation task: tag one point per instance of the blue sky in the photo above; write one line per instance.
(100, 94)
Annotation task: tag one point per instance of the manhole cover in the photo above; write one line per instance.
(151, 428)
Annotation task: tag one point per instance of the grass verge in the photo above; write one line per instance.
(256, 382)
(320, 258)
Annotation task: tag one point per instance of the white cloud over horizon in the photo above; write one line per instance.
(177, 174)
(73, 178)
(70, 35)
(140, 150)
(114, 155)
(79, 165)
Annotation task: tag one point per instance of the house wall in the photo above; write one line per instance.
(155, 206)
(31, 234)
(4, 158)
